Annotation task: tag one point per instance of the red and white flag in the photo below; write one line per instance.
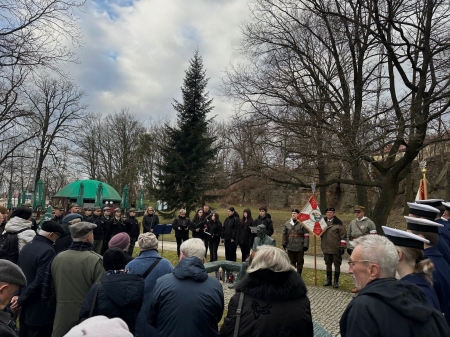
(312, 218)
(421, 191)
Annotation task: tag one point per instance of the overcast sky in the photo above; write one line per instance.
(135, 52)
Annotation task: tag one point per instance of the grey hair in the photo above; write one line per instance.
(193, 247)
(272, 258)
(379, 250)
(42, 232)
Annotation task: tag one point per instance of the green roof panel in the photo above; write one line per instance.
(90, 189)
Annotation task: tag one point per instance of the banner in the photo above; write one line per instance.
(312, 218)
(421, 191)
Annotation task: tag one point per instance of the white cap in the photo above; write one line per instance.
(431, 202)
(446, 205)
(422, 225)
(404, 239)
(423, 210)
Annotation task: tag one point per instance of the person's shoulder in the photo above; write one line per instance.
(95, 254)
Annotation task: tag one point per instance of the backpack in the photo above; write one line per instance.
(9, 246)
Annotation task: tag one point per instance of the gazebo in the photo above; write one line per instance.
(70, 194)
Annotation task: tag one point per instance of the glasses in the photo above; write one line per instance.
(352, 263)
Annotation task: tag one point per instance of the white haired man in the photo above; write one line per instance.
(188, 294)
(385, 306)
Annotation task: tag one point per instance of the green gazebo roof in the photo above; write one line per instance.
(90, 189)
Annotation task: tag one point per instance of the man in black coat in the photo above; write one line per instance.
(36, 318)
(132, 228)
(264, 219)
(59, 215)
(230, 227)
(65, 239)
(99, 231)
(11, 279)
(385, 306)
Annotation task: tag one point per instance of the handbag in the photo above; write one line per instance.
(238, 315)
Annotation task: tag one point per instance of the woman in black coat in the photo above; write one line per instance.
(181, 227)
(244, 233)
(119, 294)
(215, 229)
(275, 301)
(150, 220)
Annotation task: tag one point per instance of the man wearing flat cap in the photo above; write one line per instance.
(71, 275)
(295, 241)
(11, 279)
(74, 208)
(36, 318)
(132, 228)
(333, 245)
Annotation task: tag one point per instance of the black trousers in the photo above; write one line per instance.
(230, 250)
(245, 251)
(180, 240)
(35, 331)
(206, 242)
(213, 247)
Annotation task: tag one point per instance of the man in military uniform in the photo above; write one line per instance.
(132, 228)
(74, 208)
(333, 246)
(59, 214)
(295, 240)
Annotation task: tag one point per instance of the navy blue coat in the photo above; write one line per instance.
(33, 260)
(442, 247)
(441, 279)
(429, 292)
(390, 308)
(139, 266)
(187, 302)
(119, 295)
(444, 231)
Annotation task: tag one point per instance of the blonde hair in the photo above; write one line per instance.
(182, 211)
(414, 257)
(272, 258)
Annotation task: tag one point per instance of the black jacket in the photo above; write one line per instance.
(149, 222)
(5, 329)
(119, 295)
(215, 229)
(99, 231)
(266, 221)
(244, 234)
(230, 227)
(114, 227)
(58, 219)
(132, 227)
(390, 308)
(183, 223)
(33, 260)
(64, 241)
(275, 304)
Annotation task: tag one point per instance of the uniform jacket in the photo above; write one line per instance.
(33, 260)
(131, 227)
(441, 279)
(331, 238)
(230, 227)
(17, 224)
(139, 266)
(443, 231)
(293, 236)
(183, 223)
(99, 231)
(266, 221)
(390, 308)
(275, 304)
(73, 274)
(115, 226)
(119, 295)
(187, 302)
(427, 289)
(148, 222)
(366, 225)
(65, 240)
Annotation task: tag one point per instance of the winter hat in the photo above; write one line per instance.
(114, 259)
(147, 241)
(11, 273)
(121, 240)
(100, 326)
(71, 216)
(22, 212)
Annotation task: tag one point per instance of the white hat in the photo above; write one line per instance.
(422, 225)
(100, 326)
(431, 202)
(404, 239)
(446, 205)
(423, 210)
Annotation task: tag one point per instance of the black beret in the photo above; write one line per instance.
(295, 210)
(330, 209)
(52, 226)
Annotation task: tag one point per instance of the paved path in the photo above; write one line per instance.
(309, 259)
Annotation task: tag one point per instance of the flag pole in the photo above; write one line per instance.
(313, 188)
(423, 166)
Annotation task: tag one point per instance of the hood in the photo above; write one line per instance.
(401, 296)
(123, 289)
(191, 267)
(16, 224)
(270, 286)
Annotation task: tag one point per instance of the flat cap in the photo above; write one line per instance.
(331, 209)
(359, 208)
(132, 210)
(81, 229)
(11, 273)
(73, 205)
(70, 217)
(52, 226)
(117, 210)
(106, 208)
(97, 208)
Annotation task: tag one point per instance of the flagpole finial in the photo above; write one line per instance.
(313, 187)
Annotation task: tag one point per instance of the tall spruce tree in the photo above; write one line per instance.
(188, 157)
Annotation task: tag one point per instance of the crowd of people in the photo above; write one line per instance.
(76, 273)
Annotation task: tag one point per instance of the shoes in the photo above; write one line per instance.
(336, 280)
(328, 283)
(355, 290)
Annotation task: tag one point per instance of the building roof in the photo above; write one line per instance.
(90, 189)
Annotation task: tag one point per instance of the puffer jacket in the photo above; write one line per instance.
(119, 295)
(17, 224)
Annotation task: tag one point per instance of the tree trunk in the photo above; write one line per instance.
(384, 204)
(361, 191)
(322, 190)
(409, 195)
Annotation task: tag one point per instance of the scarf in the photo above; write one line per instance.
(121, 271)
(47, 284)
